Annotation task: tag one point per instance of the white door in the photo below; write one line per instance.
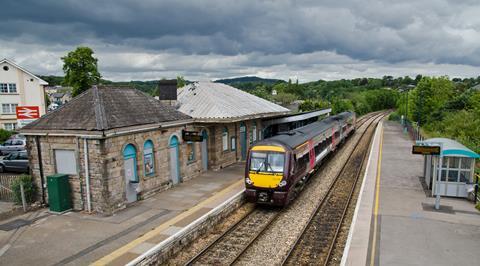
(174, 165)
(131, 189)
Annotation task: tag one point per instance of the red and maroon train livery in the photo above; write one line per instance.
(278, 167)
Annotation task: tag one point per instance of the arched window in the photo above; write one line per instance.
(130, 161)
(190, 152)
(225, 139)
(148, 158)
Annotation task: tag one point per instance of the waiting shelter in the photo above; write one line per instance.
(456, 169)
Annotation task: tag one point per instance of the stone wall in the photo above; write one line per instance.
(106, 166)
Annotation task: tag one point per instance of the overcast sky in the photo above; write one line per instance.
(203, 40)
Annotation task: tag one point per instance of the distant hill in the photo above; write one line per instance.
(248, 79)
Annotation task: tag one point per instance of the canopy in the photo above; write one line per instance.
(452, 148)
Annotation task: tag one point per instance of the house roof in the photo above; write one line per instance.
(106, 107)
(452, 148)
(41, 81)
(58, 95)
(215, 102)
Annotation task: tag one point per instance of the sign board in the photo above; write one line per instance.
(28, 112)
(192, 136)
(426, 150)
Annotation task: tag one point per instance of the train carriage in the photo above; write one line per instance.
(278, 167)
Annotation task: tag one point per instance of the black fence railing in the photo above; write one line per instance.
(413, 130)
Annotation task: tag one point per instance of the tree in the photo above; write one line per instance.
(81, 71)
(180, 81)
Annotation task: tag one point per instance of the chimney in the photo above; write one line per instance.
(167, 92)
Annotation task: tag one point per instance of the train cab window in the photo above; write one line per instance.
(272, 162)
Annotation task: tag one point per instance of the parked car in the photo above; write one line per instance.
(15, 162)
(17, 136)
(11, 145)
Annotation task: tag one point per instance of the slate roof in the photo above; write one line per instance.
(104, 107)
(208, 101)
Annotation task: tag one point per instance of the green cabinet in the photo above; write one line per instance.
(59, 197)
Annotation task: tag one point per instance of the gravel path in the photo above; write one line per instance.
(272, 247)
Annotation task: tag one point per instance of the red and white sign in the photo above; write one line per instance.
(28, 112)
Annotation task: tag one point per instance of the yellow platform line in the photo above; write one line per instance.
(158, 230)
(377, 196)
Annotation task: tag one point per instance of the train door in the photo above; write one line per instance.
(243, 140)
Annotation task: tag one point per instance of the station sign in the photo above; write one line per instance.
(426, 150)
(28, 112)
(192, 136)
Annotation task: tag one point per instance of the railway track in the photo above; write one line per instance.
(317, 240)
(228, 247)
(232, 244)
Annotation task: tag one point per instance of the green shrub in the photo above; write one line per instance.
(394, 116)
(5, 134)
(28, 186)
(478, 206)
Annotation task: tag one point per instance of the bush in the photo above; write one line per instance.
(5, 134)
(28, 187)
(394, 117)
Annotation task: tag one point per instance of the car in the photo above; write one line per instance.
(15, 162)
(12, 145)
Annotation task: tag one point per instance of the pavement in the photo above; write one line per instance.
(77, 238)
(395, 222)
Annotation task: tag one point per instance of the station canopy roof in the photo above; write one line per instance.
(217, 102)
(452, 148)
(104, 108)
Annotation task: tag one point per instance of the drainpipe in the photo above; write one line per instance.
(40, 166)
(87, 174)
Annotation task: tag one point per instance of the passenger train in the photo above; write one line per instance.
(278, 167)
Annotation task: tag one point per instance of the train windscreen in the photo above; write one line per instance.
(272, 162)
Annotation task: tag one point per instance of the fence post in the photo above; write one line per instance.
(476, 187)
(22, 193)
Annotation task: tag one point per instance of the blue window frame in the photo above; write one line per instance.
(148, 158)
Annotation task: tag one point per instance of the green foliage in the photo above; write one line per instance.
(81, 71)
(28, 187)
(284, 98)
(341, 105)
(394, 117)
(5, 134)
(181, 81)
(312, 105)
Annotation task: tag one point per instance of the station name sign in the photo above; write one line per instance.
(426, 150)
(192, 136)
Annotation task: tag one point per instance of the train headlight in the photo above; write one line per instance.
(248, 181)
(283, 183)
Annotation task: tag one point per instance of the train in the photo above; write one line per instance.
(278, 168)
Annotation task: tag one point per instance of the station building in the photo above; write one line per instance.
(117, 145)
(229, 119)
(456, 170)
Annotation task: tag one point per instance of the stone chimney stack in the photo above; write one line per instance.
(167, 90)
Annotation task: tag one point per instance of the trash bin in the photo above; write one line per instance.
(59, 197)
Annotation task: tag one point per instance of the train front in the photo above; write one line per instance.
(266, 175)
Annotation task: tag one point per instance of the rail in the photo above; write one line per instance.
(335, 226)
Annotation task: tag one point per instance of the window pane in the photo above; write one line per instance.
(464, 176)
(466, 163)
(190, 152)
(444, 162)
(5, 108)
(444, 175)
(225, 141)
(12, 87)
(452, 175)
(3, 88)
(453, 162)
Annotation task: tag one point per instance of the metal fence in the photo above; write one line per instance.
(6, 181)
(413, 130)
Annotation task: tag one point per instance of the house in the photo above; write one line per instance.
(229, 119)
(18, 87)
(124, 144)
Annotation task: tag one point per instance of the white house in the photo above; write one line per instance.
(18, 87)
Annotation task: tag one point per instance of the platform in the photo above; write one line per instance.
(76, 238)
(395, 222)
